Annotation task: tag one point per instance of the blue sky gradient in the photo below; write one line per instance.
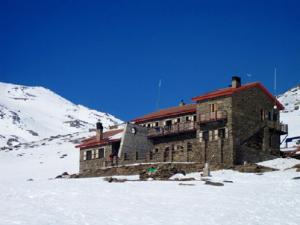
(110, 55)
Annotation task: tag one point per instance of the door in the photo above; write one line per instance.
(166, 154)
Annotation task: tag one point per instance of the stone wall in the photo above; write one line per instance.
(95, 162)
(216, 150)
(249, 127)
(134, 146)
(135, 169)
(175, 148)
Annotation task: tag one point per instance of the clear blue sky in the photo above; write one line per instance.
(110, 55)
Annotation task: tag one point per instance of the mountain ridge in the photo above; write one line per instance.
(32, 113)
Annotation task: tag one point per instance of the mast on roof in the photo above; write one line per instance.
(275, 86)
(158, 95)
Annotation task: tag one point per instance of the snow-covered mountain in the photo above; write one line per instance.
(30, 195)
(30, 114)
(291, 115)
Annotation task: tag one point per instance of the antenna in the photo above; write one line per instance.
(249, 75)
(275, 80)
(275, 86)
(158, 95)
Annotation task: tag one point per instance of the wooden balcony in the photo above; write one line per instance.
(212, 117)
(172, 129)
(279, 127)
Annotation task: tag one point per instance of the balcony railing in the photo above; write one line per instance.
(212, 116)
(172, 129)
(281, 127)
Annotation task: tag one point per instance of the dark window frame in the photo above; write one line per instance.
(100, 153)
(88, 155)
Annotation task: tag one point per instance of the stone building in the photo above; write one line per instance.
(124, 144)
(225, 127)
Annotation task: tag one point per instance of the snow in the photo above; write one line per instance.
(280, 163)
(269, 199)
(24, 110)
(291, 115)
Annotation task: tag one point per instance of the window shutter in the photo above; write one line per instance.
(97, 154)
(200, 136)
(226, 132)
(84, 155)
(210, 135)
(216, 134)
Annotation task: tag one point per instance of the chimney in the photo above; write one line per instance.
(182, 103)
(99, 131)
(235, 82)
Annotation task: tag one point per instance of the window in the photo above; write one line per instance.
(178, 120)
(205, 135)
(221, 133)
(189, 147)
(88, 155)
(150, 155)
(213, 107)
(169, 123)
(262, 115)
(275, 116)
(180, 147)
(269, 115)
(126, 156)
(156, 150)
(187, 118)
(136, 155)
(101, 153)
(194, 118)
(148, 125)
(156, 124)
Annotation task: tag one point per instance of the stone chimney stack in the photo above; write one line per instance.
(99, 131)
(235, 82)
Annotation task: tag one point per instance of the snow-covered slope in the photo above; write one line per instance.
(33, 113)
(291, 114)
(28, 196)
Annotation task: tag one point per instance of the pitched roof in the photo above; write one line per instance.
(230, 90)
(108, 137)
(174, 111)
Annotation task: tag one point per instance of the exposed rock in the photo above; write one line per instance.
(75, 175)
(33, 133)
(208, 182)
(227, 181)
(185, 179)
(63, 175)
(30, 179)
(297, 167)
(11, 141)
(296, 178)
(253, 168)
(183, 184)
(205, 179)
(114, 180)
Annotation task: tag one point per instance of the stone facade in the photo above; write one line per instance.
(224, 130)
(254, 117)
(132, 147)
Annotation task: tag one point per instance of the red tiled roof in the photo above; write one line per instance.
(107, 139)
(174, 111)
(229, 91)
